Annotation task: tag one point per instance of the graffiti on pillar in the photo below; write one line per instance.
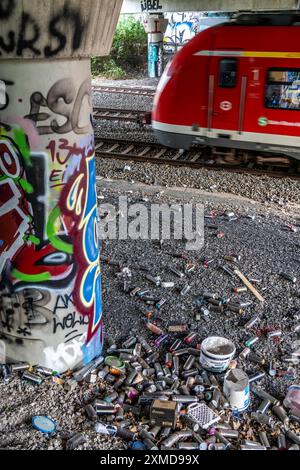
(4, 96)
(155, 60)
(64, 101)
(15, 211)
(148, 5)
(79, 202)
(48, 248)
(28, 31)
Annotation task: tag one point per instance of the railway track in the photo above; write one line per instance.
(128, 115)
(136, 91)
(216, 159)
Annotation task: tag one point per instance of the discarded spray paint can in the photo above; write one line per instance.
(264, 439)
(129, 342)
(176, 345)
(20, 367)
(244, 354)
(239, 290)
(288, 277)
(256, 358)
(185, 398)
(6, 373)
(167, 285)
(75, 441)
(150, 444)
(251, 341)
(91, 413)
(281, 440)
(251, 322)
(264, 406)
(160, 340)
(180, 352)
(109, 430)
(32, 378)
(257, 376)
(176, 272)
(262, 419)
(188, 446)
(274, 334)
(185, 290)
(280, 412)
(154, 329)
(145, 345)
(189, 362)
(155, 280)
(190, 338)
(228, 271)
(160, 303)
(293, 437)
(264, 395)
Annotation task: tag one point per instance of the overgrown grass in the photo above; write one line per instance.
(129, 51)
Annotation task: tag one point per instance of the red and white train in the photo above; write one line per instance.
(235, 85)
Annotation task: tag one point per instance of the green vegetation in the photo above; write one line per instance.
(129, 51)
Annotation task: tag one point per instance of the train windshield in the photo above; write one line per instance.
(283, 89)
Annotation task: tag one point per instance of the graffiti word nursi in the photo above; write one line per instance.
(148, 5)
(28, 31)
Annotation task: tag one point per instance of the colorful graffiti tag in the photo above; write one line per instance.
(50, 280)
(155, 58)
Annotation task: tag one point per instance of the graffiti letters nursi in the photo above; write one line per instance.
(148, 5)
(28, 31)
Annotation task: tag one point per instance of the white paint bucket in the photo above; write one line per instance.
(216, 353)
(236, 389)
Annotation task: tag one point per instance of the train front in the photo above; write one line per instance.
(180, 103)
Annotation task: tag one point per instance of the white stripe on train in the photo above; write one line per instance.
(256, 137)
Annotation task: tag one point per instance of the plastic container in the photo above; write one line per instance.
(216, 353)
(292, 399)
(236, 389)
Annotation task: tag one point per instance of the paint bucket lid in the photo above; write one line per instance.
(44, 424)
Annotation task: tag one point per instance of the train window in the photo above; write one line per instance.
(283, 89)
(228, 73)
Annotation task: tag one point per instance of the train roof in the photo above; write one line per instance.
(286, 18)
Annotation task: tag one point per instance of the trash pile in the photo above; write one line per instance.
(174, 393)
(173, 386)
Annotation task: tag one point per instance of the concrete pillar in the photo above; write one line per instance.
(50, 280)
(155, 26)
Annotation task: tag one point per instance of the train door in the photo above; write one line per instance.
(227, 95)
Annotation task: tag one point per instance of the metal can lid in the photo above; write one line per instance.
(44, 424)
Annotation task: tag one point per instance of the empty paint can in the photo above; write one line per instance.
(236, 389)
(216, 353)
